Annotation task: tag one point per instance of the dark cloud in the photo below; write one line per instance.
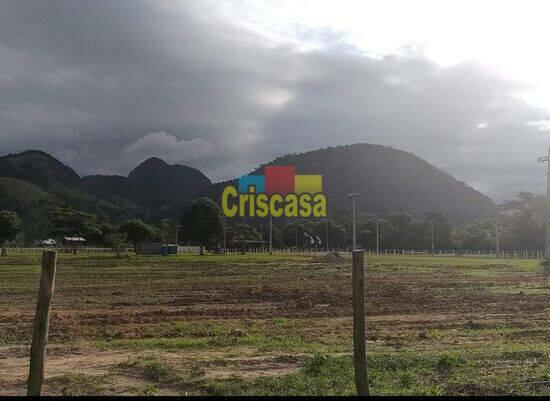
(104, 85)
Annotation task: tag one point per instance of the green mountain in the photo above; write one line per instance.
(387, 180)
(155, 187)
(57, 179)
(153, 190)
(40, 168)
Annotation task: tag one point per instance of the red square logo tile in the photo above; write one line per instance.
(279, 179)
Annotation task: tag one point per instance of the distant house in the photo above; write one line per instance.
(74, 242)
(46, 242)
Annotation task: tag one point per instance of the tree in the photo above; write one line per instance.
(202, 222)
(9, 227)
(117, 242)
(100, 237)
(523, 222)
(242, 232)
(337, 236)
(443, 230)
(168, 231)
(277, 237)
(396, 231)
(68, 222)
(366, 235)
(473, 236)
(137, 231)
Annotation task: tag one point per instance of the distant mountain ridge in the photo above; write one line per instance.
(387, 180)
(151, 191)
(159, 188)
(38, 167)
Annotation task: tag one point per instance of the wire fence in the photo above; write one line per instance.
(63, 250)
(518, 254)
(488, 254)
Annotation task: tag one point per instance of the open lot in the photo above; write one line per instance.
(260, 324)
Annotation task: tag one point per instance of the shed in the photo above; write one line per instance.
(156, 248)
(74, 242)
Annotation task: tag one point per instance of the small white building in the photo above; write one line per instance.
(46, 242)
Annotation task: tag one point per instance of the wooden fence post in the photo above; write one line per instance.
(41, 323)
(359, 347)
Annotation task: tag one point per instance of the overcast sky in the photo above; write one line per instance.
(226, 85)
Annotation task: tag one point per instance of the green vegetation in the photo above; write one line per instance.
(202, 222)
(16, 193)
(40, 189)
(117, 242)
(69, 222)
(137, 231)
(9, 227)
(152, 367)
(75, 384)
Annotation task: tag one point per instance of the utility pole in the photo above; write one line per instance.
(546, 159)
(224, 234)
(377, 238)
(326, 240)
(497, 232)
(270, 234)
(177, 227)
(432, 231)
(353, 195)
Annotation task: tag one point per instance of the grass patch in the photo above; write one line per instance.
(259, 342)
(75, 384)
(152, 368)
(402, 373)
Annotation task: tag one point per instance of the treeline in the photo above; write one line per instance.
(521, 225)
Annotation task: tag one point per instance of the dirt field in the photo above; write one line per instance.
(280, 324)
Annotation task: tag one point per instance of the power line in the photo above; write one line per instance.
(517, 183)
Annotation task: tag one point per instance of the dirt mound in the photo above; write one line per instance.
(331, 257)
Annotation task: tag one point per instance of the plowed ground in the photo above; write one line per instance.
(279, 324)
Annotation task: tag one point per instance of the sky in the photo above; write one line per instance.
(227, 85)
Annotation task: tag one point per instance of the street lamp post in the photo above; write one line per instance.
(497, 232)
(270, 234)
(377, 238)
(177, 227)
(326, 240)
(224, 234)
(432, 232)
(353, 195)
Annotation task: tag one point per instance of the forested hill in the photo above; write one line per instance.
(151, 191)
(387, 180)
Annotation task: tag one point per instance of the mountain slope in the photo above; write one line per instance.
(16, 193)
(154, 183)
(153, 190)
(38, 167)
(387, 180)
(156, 188)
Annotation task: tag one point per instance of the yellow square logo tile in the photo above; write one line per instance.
(304, 184)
